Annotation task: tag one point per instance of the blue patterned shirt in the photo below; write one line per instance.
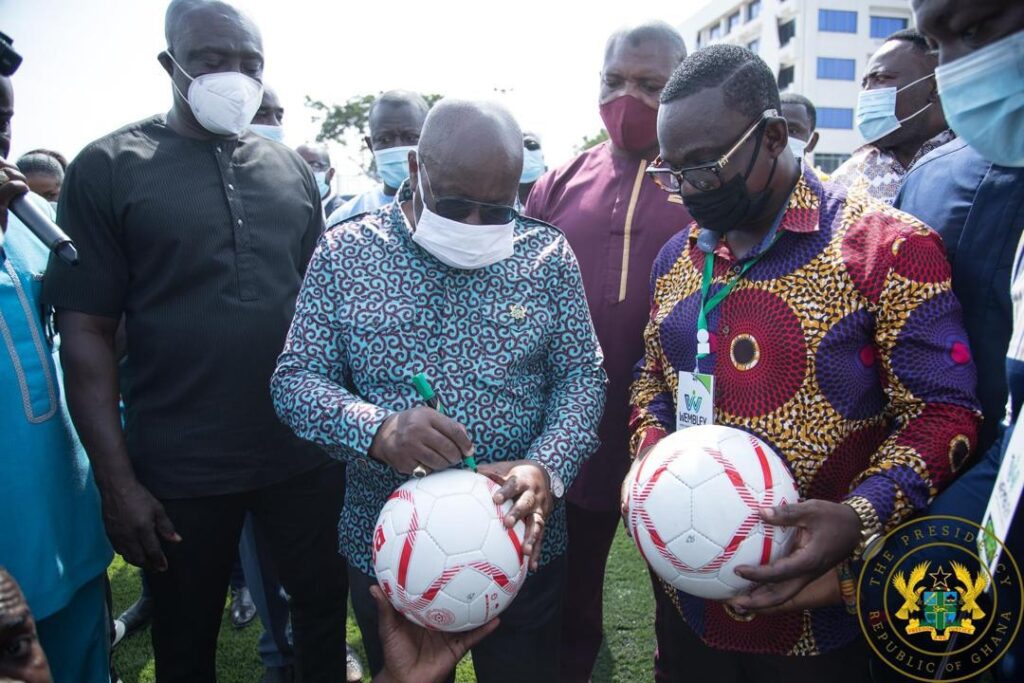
(510, 349)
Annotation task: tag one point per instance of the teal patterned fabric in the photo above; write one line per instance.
(509, 348)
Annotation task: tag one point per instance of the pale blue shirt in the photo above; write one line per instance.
(53, 541)
(371, 200)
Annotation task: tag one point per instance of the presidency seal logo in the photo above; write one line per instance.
(928, 605)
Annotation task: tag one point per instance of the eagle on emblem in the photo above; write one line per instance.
(909, 590)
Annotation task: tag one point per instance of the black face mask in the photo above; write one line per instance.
(731, 205)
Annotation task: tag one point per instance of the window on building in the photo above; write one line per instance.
(732, 22)
(786, 75)
(835, 117)
(837, 21)
(883, 27)
(787, 32)
(754, 46)
(829, 162)
(700, 38)
(715, 33)
(837, 69)
(753, 9)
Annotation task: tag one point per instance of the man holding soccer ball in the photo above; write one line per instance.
(824, 324)
(449, 280)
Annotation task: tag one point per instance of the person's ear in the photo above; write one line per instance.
(414, 172)
(812, 143)
(166, 63)
(329, 175)
(776, 136)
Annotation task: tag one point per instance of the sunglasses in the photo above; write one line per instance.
(457, 208)
(703, 177)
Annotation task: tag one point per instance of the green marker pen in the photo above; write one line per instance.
(431, 398)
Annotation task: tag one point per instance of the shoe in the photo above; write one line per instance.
(133, 619)
(278, 674)
(353, 667)
(243, 611)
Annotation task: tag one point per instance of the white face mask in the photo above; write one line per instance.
(275, 133)
(223, 103)
(797, 147)
(461, 245)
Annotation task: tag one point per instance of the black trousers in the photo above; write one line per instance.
(684, 658)
(300, 520)
(525, 647)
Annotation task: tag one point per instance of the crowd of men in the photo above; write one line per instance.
(221, 387)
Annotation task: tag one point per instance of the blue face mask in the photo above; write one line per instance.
(321, 183)
(533, 165)
(876, 111)
(275, 133)
(983, 98)
(393, 165)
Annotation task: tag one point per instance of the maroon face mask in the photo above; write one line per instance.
(631, 124)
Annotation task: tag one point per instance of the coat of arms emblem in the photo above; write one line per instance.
(943, 611)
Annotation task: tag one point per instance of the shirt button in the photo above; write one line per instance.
(239, 221)
(231, 187)
(735, 270)
(218, 149)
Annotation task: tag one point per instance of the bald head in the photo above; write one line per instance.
(184, 17)
(315, 155)
(396, 119)
(472, 150)
(658, 35)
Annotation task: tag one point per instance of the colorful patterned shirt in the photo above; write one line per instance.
(509, 348)
(878, 172)
(842, 347)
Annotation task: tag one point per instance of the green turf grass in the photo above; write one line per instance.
(626, 654)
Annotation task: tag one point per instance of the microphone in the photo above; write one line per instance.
(45, 230)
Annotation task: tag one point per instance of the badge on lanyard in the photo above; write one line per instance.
(695, 400)
(1003, 502)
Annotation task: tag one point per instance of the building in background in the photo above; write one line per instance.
(818, 48)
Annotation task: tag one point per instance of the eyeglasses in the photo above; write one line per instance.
(457, 208)
(703, 177)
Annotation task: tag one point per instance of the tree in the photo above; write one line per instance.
(592, 141)
(347, 124)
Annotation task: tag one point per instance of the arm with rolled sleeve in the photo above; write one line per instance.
(575, 377)
(309, 385)
(929, 382)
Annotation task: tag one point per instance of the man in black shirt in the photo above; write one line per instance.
(199, 233)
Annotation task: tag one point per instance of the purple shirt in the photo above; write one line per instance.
(616, 220)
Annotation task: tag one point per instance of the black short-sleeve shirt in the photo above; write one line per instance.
(201, 245)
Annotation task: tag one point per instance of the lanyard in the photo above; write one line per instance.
(708, 305)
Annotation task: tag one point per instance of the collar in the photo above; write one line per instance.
(873, 155)
(800, 214)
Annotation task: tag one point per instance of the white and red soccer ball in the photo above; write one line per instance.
(442, 554)
(692, 508)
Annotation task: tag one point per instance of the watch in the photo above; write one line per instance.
(557, 487)
(870, 526)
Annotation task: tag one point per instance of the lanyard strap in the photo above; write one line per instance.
(708, 305)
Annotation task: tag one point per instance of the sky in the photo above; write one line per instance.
(90, 65)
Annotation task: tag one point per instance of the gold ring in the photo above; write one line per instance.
(749, 616)
(420, 471)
